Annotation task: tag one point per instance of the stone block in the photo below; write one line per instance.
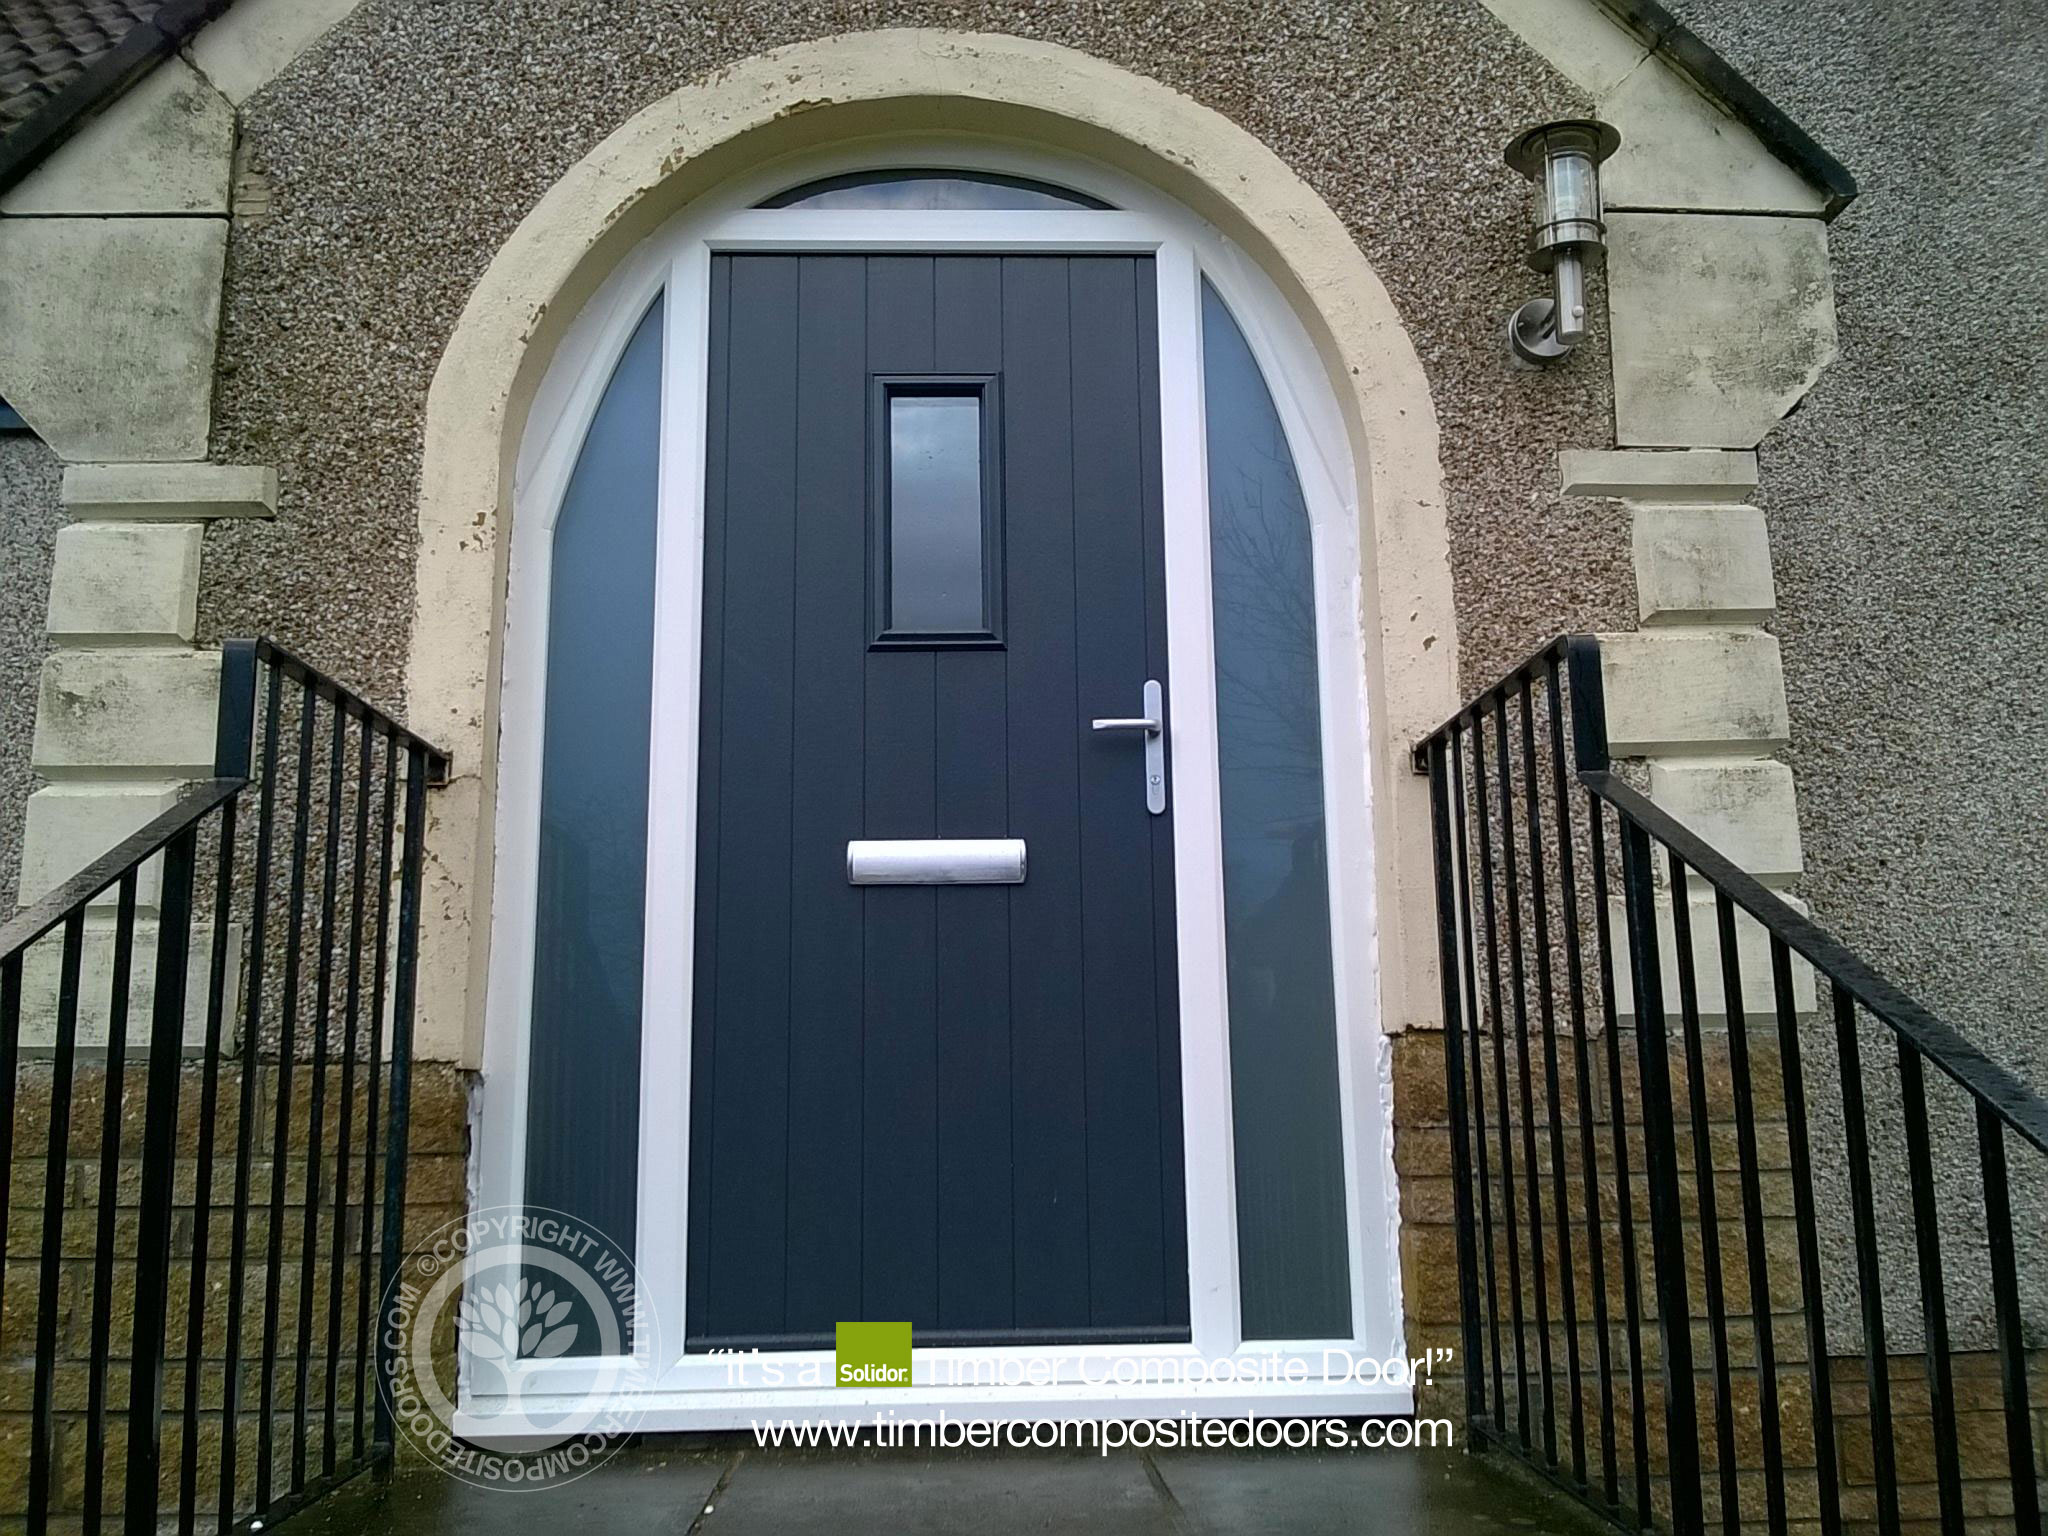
(145, 710)
(1692, 691)
(108, 329)
(1419, 1086)
(1429, 1274)
(169, 492)
(125, 582)
(42, 970)
(1681, 150)
(163, 148)
(1683, 474)
(440, 1109)
(1752, 955)
(1578, 39)
(1746, 810)
(1703, 565)
(1721, 323)
(243, 50)
(69, 825)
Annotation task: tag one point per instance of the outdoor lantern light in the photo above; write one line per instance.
(1563, 159)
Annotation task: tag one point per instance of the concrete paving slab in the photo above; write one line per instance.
(647, 1492)
(912, 1494)
(664, 1490)
(1400, 1493)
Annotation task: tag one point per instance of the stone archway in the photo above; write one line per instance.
(892, 82)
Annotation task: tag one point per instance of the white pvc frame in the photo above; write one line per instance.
(674, 1391)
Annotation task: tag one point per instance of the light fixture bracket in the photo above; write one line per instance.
(1532, 334)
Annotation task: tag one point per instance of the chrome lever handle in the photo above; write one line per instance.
(1151, 726)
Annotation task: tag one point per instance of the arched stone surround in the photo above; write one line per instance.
(829, 91)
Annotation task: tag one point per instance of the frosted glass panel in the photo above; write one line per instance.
(583, 1134)
(1293, 1259)
(935, 514)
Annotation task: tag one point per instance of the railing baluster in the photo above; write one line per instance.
(245, 1118)
(323, 998)
(56, 1175)
(344, 1140)
(217, 973)
(1660, 1156)
(1589, 1162)
(234, 743)
(1703, 1178)
(374, 1101)
(402, 987)
(67, 1481)
(1824, 1449)
(1454, 1080)
(1500, 1079)
(1539, 902)
(1467, 944)
(113, 1084)
(1510, 863)
(2002, 1104)
(1933, 1303)
(1763, 1319)
(281, 1123)
(1624, 1205)
(159, 1171)
(2005, 1299)
(1870, 1283)
(10, 1082)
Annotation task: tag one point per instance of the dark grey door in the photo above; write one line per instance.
(932, 554)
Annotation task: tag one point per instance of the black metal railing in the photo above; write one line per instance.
(1698, 1255)
(260, 1115)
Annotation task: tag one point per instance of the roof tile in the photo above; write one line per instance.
(46, 44)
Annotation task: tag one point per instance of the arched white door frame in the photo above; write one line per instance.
(698, 1391)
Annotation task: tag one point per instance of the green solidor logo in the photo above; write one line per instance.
(873, 1355)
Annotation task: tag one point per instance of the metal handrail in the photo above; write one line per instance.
(1947, 1047)
(1526, 670)
(1944, 1045)
(1528, 808)
(47, 913)
(346, 700)
(334, 935)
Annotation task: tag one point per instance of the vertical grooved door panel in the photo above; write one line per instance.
(954, 1104)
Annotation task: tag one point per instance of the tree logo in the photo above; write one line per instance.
(512, 1347)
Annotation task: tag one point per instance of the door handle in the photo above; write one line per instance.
(1150, 725)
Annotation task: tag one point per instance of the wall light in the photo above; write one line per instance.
(1563, 159)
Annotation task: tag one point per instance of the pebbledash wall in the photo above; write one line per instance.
(337, 195)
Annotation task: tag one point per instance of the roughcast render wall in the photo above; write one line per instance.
(404, 149)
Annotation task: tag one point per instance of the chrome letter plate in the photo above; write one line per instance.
(936, 861)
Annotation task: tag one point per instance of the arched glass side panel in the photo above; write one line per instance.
(1293, 1251)
(929, 190)
(583, 1119)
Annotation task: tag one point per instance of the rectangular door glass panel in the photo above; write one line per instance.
(936, 571)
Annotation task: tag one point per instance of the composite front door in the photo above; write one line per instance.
(932, 560)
